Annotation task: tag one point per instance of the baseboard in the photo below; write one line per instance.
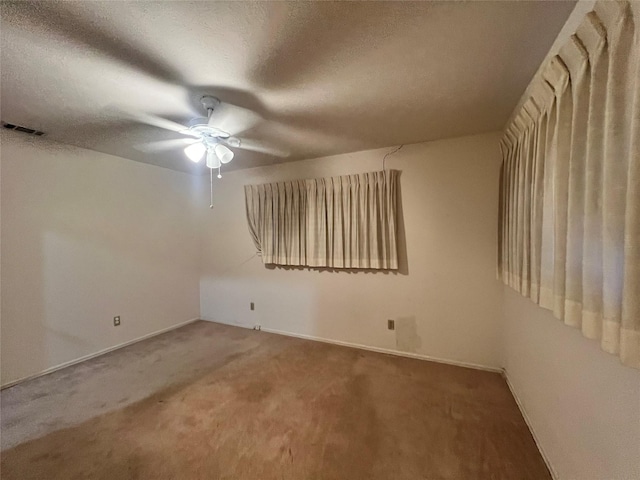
(545, 457)
(239, 325)
(384, 350)
(96, 354)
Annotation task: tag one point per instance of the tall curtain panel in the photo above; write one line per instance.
(348, 221)
(569, 234)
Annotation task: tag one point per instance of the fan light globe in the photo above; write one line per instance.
(212, 159)
(195, 152)
(223, 153)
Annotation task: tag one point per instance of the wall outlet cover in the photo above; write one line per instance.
(116, 321)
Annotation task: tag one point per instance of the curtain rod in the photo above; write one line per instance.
(576, 17)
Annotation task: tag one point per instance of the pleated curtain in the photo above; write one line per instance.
(569, 235)
(347, 221)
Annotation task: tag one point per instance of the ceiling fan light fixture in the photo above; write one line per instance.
(212, 159)
(223, 153)
(195, 151)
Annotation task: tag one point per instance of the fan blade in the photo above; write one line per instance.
(162, 145)
(153, 120)
(233, 119)
(255, 146)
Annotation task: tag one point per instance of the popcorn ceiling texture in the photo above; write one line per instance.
(327, 77)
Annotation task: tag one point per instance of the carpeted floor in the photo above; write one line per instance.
(209, 401)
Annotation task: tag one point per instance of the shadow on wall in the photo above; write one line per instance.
(401, 241)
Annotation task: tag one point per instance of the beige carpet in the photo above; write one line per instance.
(240, 404)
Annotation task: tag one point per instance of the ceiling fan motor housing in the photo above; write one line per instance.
(201, 128)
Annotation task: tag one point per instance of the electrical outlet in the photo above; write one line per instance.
(116, 321)
(257, 327)
(253, 307)
(391, 324)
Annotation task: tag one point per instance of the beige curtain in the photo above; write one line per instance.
(570, 185)
(337, 222)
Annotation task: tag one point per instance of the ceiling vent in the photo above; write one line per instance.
(19, 128)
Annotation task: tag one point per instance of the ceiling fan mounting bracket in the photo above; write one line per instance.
(209, 102)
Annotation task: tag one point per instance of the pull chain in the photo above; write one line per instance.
(211, 184)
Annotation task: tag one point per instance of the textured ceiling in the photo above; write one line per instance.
(325, 77)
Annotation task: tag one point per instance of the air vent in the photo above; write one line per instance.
(19, 128)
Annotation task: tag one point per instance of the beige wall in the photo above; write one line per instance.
(583, 405)
(446, 301)
(85, 237)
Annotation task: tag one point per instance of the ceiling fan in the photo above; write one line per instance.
(210, 137)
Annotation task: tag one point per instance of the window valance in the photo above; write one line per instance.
(348, 221)
(570, 195)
